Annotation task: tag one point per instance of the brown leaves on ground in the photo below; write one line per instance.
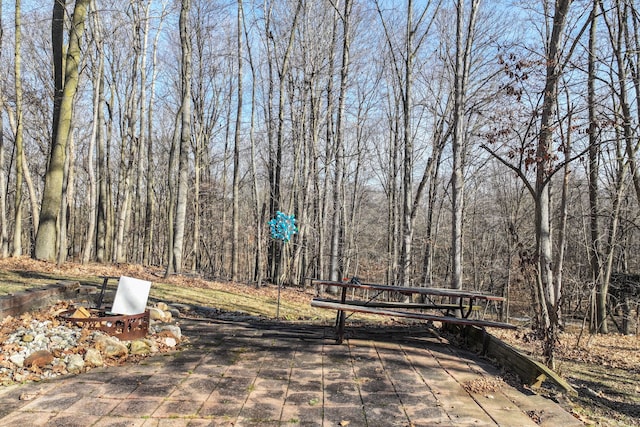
(605, 370)
(483, 385)
(610, 350)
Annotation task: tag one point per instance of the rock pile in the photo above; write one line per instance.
(38, 345)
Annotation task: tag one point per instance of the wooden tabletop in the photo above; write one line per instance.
(409, 290)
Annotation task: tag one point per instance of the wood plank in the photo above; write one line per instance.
(407, 305)
(407, 290)
(421, 316)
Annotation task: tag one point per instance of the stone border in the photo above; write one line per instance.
(31, 299)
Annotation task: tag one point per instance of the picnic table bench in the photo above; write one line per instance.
(459, 302)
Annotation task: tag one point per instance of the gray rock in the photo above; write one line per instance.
(173, 331)
(159, 315)
(111, 347)
(17, 359)
(75, 363)
(139, 347)
(93, 358)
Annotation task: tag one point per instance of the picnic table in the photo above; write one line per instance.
(455, 309)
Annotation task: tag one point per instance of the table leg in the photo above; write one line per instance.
(341, 317)
(466, 313)
(105, 282)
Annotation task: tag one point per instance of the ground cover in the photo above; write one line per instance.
(604, 369)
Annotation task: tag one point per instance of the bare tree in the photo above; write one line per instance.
(258, 210)
(276, 140)
(4, 241)
(175, 264)
(46, 238)
(17, 225)
(337, 222)
(236, 153)
(464, 43)
(96, 131)
(150, 199)
(594, 166)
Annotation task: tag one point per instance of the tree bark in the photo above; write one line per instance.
(464, 43)
(4, 238)
(96, 131)
(150, 199)
(185, 140)
(275, 153)
(594, 169)
(102, 227)
(46, 238)
(141, 141)
(258, 211)
(17, 224)
(235, 220)
(549, 289)
(337, 222)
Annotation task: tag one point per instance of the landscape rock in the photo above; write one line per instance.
(111, 347)
(159, 315)
(75, 363)
(93, 358)
(172, 331)
(31, 341)
(170, 342)
(139, 347)
(17, 359)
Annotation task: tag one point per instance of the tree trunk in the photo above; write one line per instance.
(171, 187)
(549, 289)
(464, 43)
(275, 153)
(258, 211)
(563, 213)
(4, 239)
(141, 141)
(150, 199)
(45, 248)
(17, 224)
(337, 222)
(67, 197)
(594, 167)
(185, 140)
(404, 274)
(103, 174)
(235, 220)
(96, 132)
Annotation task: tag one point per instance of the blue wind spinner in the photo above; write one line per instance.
(283, 226)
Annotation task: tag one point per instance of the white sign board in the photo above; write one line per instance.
(131, 296)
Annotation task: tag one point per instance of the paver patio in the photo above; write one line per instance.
(258, 373)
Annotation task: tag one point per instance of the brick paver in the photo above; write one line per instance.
(247, 373)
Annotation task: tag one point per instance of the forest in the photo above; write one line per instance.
(484, 145)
